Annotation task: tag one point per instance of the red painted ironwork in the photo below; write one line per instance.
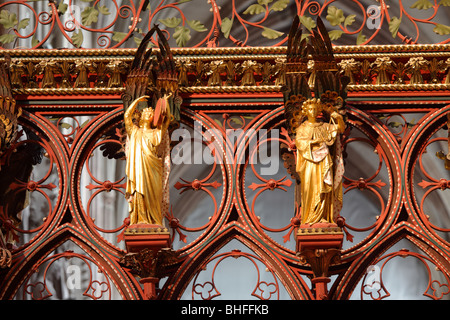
(207, 290)
(395, 149)
(233, 215)
(233, 24)
(40, 290)
(401, 213)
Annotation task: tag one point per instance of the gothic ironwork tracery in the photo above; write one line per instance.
(395, 187)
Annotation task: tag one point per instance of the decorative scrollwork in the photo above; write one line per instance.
(28, 25)
(373, 286)
(37, 285)
(207, 290)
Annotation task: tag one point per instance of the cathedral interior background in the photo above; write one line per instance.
(233, 216)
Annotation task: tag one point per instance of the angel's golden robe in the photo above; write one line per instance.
(146, 170)
(320, 174)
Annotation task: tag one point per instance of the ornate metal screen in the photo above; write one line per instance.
(233, 214)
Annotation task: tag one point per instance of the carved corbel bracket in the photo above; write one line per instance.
(149, 255)
(319, 246)
(320, 260)
(148, 263)
(150, 266)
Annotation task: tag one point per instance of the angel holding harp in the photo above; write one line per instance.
(318, 163)
(151, 86)
(148, 141)
(316, 123)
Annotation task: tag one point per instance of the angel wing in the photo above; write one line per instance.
(16, 161)
(153, 73)
(9, 111)
(296, 89)
(325, 81)
(330, 83)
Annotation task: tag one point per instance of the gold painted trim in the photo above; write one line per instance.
(203, 58)
(368, 49)
(143, 231)
(68, 91)
(316, 231)
(231, 89)
(399, 87)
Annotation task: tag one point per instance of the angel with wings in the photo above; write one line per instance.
(151, 87)
(316, 120)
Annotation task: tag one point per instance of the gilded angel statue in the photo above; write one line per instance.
(319, 163)
(151, 107)
(14, 164)
(147, 143)
(316, 121)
